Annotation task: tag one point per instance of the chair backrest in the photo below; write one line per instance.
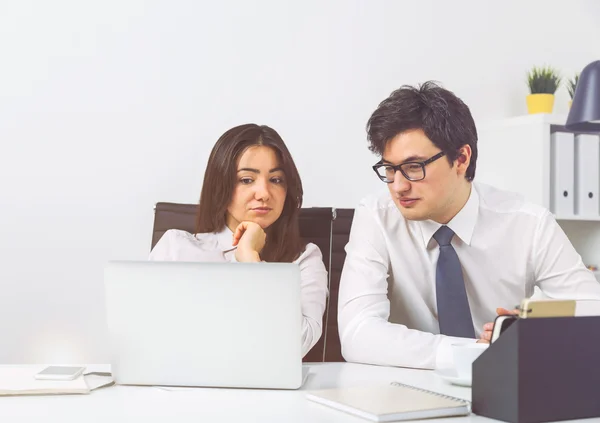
(315, 227)
(173, 216)
(340, 233)
(326, 227)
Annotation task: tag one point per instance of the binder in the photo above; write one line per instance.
(587, 175)
(562, 171)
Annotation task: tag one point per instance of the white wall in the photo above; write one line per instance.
(109, 107)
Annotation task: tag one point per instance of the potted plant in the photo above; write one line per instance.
(571, 86)
(543, 82)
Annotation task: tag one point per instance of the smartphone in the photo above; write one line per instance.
(501, 323)
(60, 373)
(547, 308)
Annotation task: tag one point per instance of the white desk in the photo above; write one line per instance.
(225, 405)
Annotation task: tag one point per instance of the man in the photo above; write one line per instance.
(429, 263)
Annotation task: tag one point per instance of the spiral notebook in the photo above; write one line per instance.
(391, 403)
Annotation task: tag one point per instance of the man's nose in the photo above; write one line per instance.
(400, 184)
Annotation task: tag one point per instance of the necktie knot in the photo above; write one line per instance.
(443, 236)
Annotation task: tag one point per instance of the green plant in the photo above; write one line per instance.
(572, 84)
(543, 80)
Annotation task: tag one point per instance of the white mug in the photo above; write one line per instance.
(465, 355)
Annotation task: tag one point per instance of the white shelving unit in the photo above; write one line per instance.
(515, 154)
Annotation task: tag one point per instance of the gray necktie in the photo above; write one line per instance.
(454, 314)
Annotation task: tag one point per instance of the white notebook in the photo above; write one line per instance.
(20, 380)
(394, 402)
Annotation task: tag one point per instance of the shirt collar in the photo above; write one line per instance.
(463, 224)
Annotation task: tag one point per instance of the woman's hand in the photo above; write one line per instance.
(250, 239)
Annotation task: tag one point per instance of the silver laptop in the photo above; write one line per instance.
(205, 324)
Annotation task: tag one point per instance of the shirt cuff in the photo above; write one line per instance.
(444, 358)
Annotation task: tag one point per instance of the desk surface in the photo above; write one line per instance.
(227, 405)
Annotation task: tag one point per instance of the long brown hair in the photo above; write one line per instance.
(283, 236)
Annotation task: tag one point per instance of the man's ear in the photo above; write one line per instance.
(464, 158)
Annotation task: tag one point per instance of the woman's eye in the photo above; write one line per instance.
(246, 181)
(277, 180)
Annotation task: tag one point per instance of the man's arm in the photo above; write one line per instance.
(559, 270)
(366, 335)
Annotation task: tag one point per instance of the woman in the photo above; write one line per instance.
(249, 206)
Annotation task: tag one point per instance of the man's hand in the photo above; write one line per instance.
(250, 239)
(486, 335)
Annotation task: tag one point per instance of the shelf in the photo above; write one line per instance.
(537, 118)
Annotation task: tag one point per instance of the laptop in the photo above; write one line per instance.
(235, 325)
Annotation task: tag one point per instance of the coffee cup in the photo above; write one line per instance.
(465, 355)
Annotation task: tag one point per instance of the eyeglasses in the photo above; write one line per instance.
(413, 171)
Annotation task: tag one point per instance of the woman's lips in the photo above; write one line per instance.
(261, 210)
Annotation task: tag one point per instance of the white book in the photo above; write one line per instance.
(394, 402)
(20, 380)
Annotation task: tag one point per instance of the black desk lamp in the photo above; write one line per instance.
(584, 115)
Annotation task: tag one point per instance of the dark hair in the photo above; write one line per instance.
(442, 116)
(283, 236)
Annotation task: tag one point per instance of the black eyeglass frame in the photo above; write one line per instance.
(398, 167)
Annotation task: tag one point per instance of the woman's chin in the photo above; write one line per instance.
(263, 221)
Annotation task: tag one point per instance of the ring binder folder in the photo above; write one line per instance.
(562, 174)
(587, 154)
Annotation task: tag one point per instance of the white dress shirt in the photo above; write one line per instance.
(177, 245)
(387, 311)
